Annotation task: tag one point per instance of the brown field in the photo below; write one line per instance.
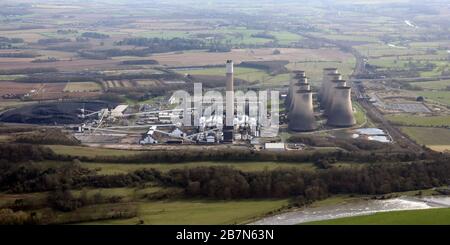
(17, 88)
(63, 65)
(239, 55)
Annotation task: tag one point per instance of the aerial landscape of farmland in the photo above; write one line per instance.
(335, 107)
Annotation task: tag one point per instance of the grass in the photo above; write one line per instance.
(437, 96)
(437, 216)
(439, 137)
(430, 121)
(434, 85)
(360, 114)
(89, 151)
(196, 212)
(116, 168)
(82, 87)
(248, 74)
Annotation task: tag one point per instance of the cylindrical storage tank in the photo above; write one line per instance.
(341, 112)
(301, 117)
(331, 92)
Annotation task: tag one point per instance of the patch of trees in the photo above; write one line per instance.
(228, 183)
(353, 145)
(66, 31)
(47, 137)
(94, 35)
(48, 60)
(24, 152)
(264, 35)
(10, 217)
(48, 41)
(139, 62)
(6, 40)
(19, 55)
(273, 67)
(160, 45)
(28, 71)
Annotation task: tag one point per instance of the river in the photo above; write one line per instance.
(354, 208)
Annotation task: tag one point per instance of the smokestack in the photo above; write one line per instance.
(229, 100)
(301, 115)
(230, 92)
(341, 112)
(332, 91)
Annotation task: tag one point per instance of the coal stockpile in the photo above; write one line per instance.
(54, 113)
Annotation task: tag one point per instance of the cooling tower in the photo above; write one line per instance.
(301, 115)
(301, 84)
(332, 91)
(297, 75)
(341, 112)
(328, 75)
(327, 96)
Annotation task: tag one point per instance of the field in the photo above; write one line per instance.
(442, 97)
(433, 85)
(437, 216)
(113, 168)
(411, 120)
(82, 87)
(436, 138)
(197, 212)
(89, 151)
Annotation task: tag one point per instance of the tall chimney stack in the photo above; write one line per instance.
(229, 100)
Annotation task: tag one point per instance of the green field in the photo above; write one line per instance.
(435, 85)
(114, 168)
(442, 97)
(89, 151)
(435, 138)
(82, 87)
(196, 212)
(431, 121)
(248, 74)
(438, 216)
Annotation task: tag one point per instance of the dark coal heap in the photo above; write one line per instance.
(53, 113)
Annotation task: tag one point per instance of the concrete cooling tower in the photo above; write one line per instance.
(301, 113)
(327, 96)
(301, 84)
(301, 117)
(328, 75)
(331, 91)
(341, 112)
(297, 75)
